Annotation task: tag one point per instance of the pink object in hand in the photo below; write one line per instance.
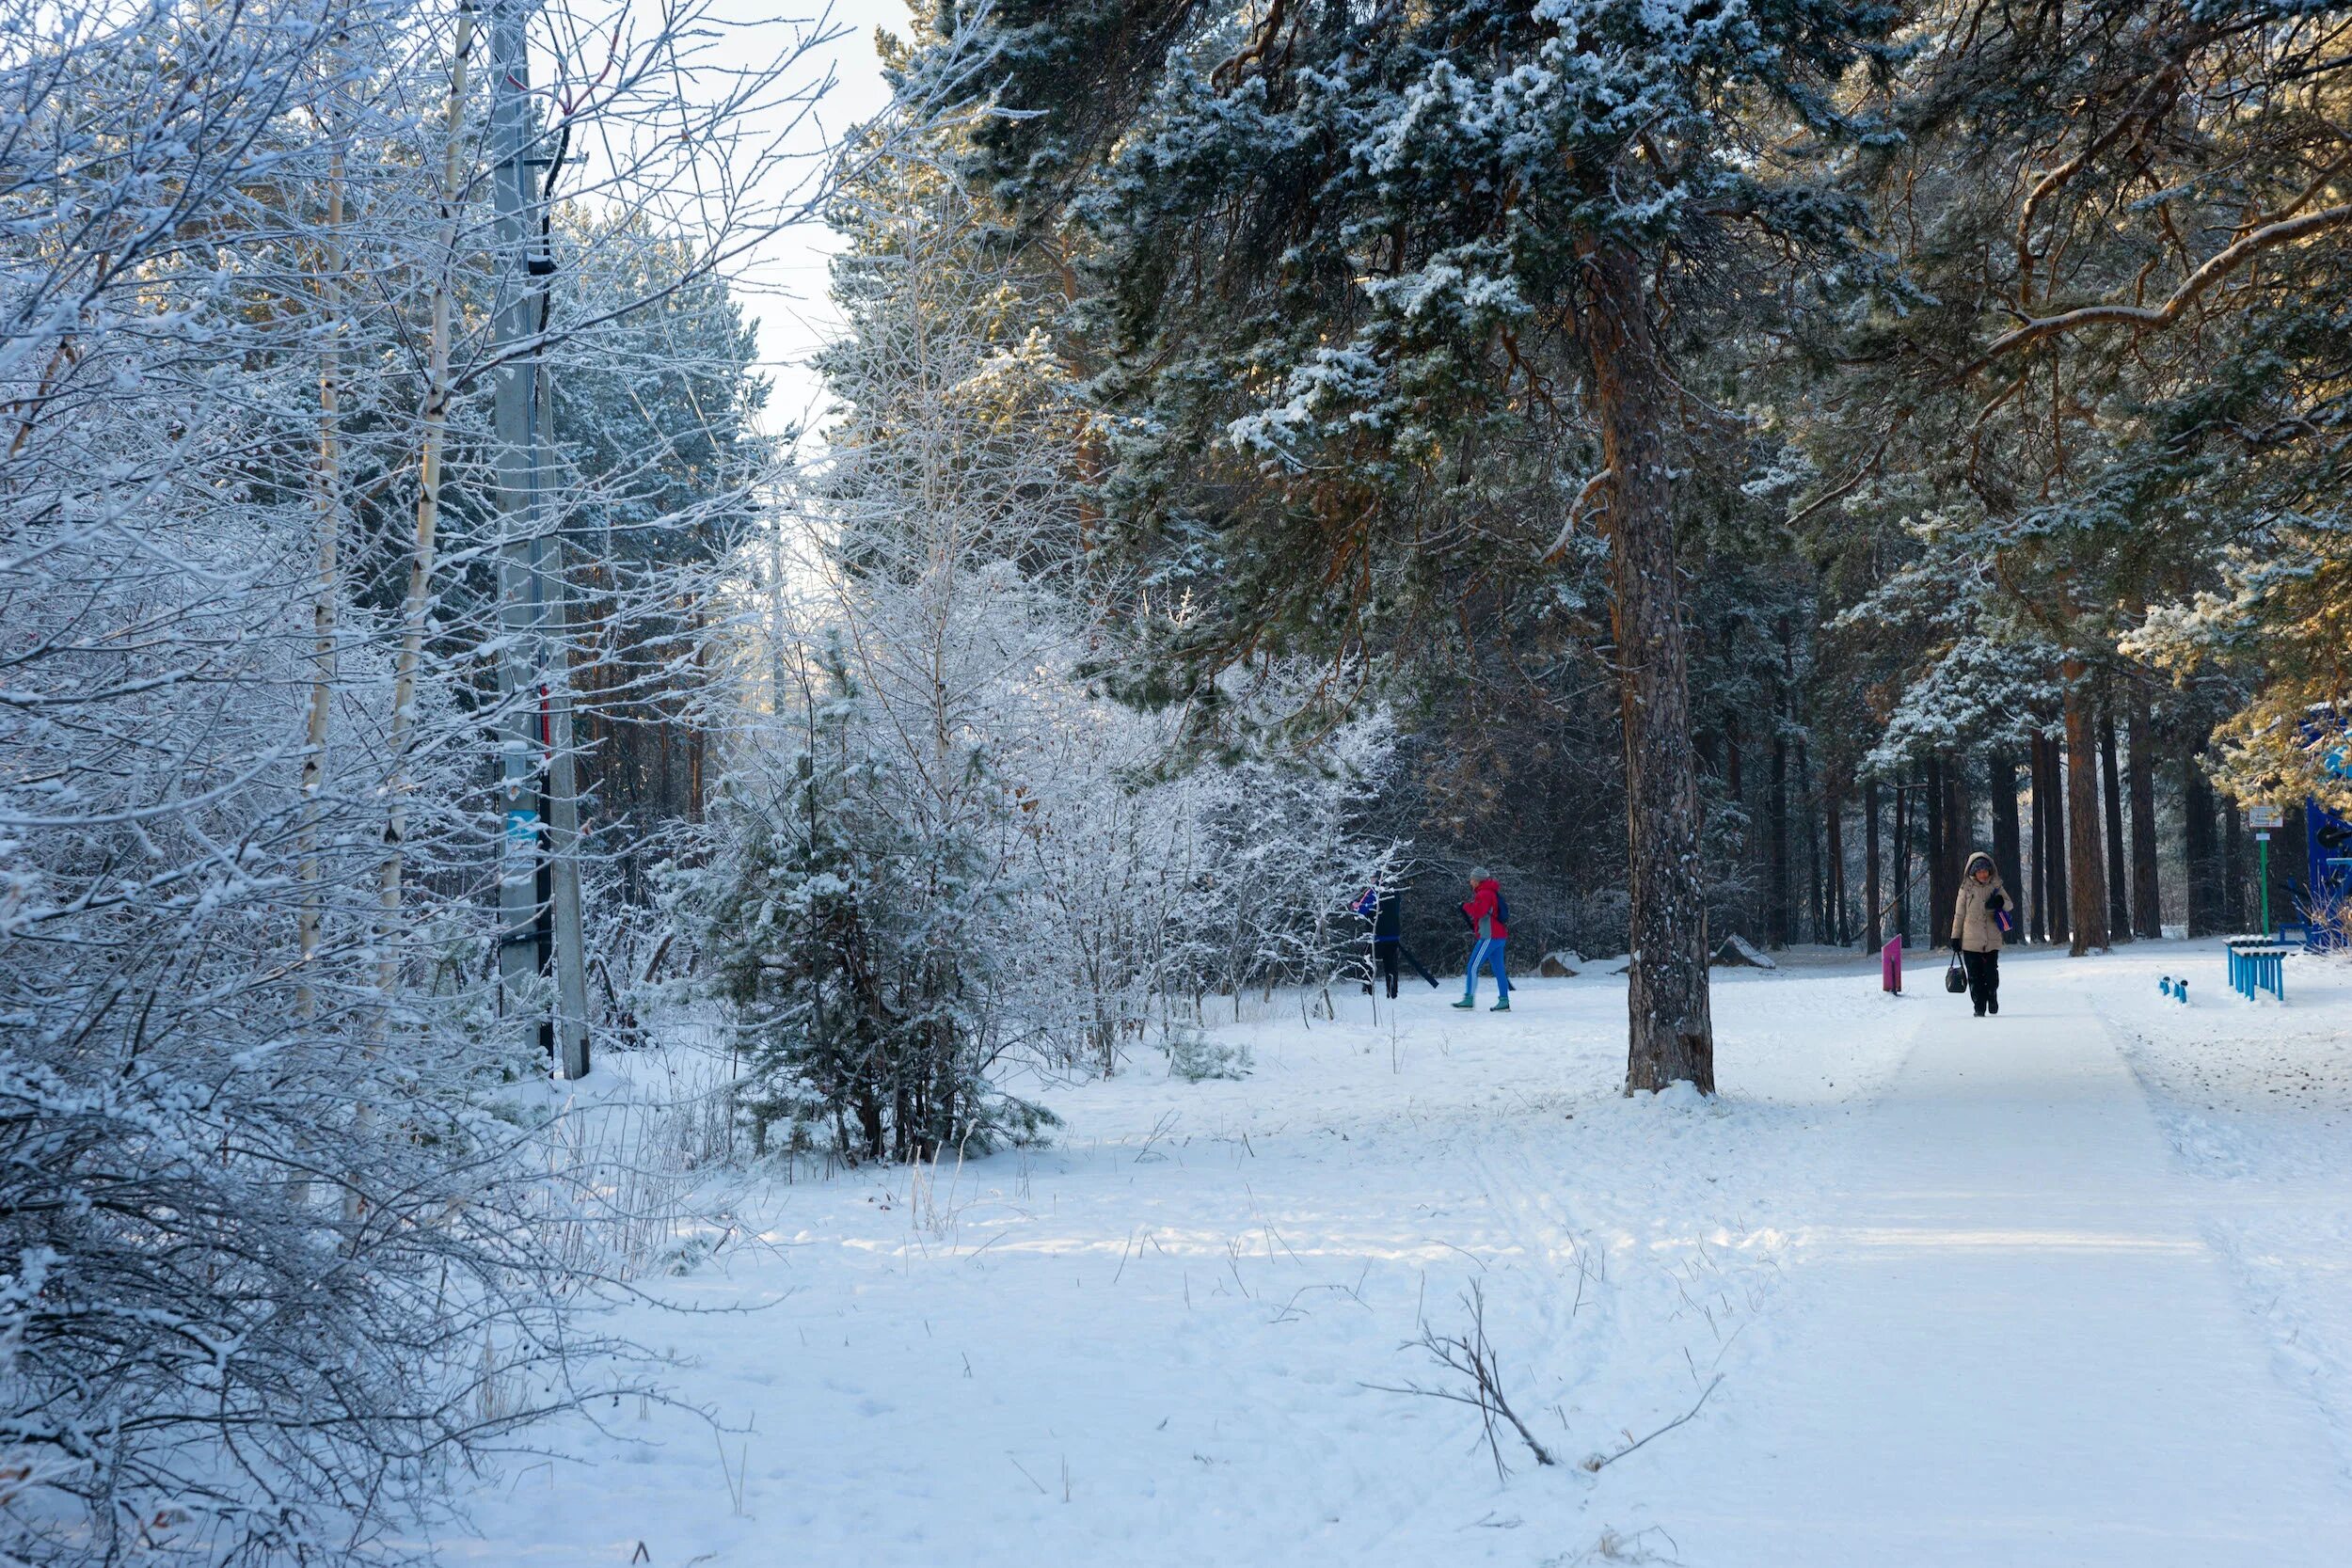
(1891, 966)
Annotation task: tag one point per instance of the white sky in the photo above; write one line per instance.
(783, 286)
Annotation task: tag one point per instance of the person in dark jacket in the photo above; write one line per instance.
(1976, 930)
(1388, 938)
(1485, 911)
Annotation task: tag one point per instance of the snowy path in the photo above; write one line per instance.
(2070, 1288)
(2014, 1344)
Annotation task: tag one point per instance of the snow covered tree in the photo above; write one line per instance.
(1336, 257)
(2110, 408)
(1001, 857)
(856, 948)
(284, 1234)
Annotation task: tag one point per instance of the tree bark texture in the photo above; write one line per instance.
(1776, 873)
(1942, 893)
(2234, 868)
(2001, 781)
(1874, 927)
(1671, 1036)
(2147, 909)
(2058, 863)
(1901, 867)
(1833, 825)
(2119, 883)
(1817, 918)
(1960, 821)
(2204, 879)
(2085, 868)
(2038, 800)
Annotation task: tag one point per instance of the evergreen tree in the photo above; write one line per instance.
(1346, 267)
(848, 947)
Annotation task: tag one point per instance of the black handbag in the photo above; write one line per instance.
(1955, 978)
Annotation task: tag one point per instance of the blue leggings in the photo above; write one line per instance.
(1488, 951)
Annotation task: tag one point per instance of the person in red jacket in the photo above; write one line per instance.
(1486, 913)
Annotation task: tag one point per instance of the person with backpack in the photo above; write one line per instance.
(1979, 924)
(1383, 905)
(1488, 917)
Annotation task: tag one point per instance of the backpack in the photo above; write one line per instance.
(1503, 908)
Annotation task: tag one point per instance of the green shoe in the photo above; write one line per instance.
(1464, 1003)
(1504, 1006)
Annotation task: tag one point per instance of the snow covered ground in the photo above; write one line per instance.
(2064, 1287)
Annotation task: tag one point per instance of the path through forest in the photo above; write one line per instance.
(2015, 1344)
(2069, 1286)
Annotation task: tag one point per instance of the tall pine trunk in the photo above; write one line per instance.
(2084, 868)
(1671, 1036)
(1942, 895)
(1814, 920)
(1834, 825)
(2001, 781)
(2057, 864)
(2038, 809)
(2118, 885)
(1901, 868)
(1776, 874)
(2140, 733)
(2204, 903)
(1960, 822)
(1874, 927)
(2234, 868)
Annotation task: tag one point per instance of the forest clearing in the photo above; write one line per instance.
(744, 759)
(2060, 1287)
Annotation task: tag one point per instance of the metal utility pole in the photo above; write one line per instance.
(539, 919)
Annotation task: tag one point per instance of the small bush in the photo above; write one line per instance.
(1196, 1058)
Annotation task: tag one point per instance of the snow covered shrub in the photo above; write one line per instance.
(285, 1236)
(236, 1325)
(857, 953)
(1196, 1058)
(939, 843)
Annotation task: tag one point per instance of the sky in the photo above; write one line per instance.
(783, 284)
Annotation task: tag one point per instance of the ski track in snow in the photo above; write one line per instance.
(1921, 1260)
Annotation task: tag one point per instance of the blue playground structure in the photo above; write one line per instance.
(2258, 964)
(2326, 891)
(2327, 874)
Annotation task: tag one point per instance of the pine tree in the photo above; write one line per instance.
(1347, 266)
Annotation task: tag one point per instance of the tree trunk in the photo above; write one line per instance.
(2119, 886)
(1736, 785)
(1833, 824)
(1671, 1034)
(1901, 867)
(2084, 867)
(2038, 808)
(1960, 822)
(2204, 915)
(2233, 867)
(416, 603)
(2060, 810)
(1776, 843)
(2001, 779)
(2147, 910)
(1874, 928)
(1815, 920)
(1942, 895)
(327, 508)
